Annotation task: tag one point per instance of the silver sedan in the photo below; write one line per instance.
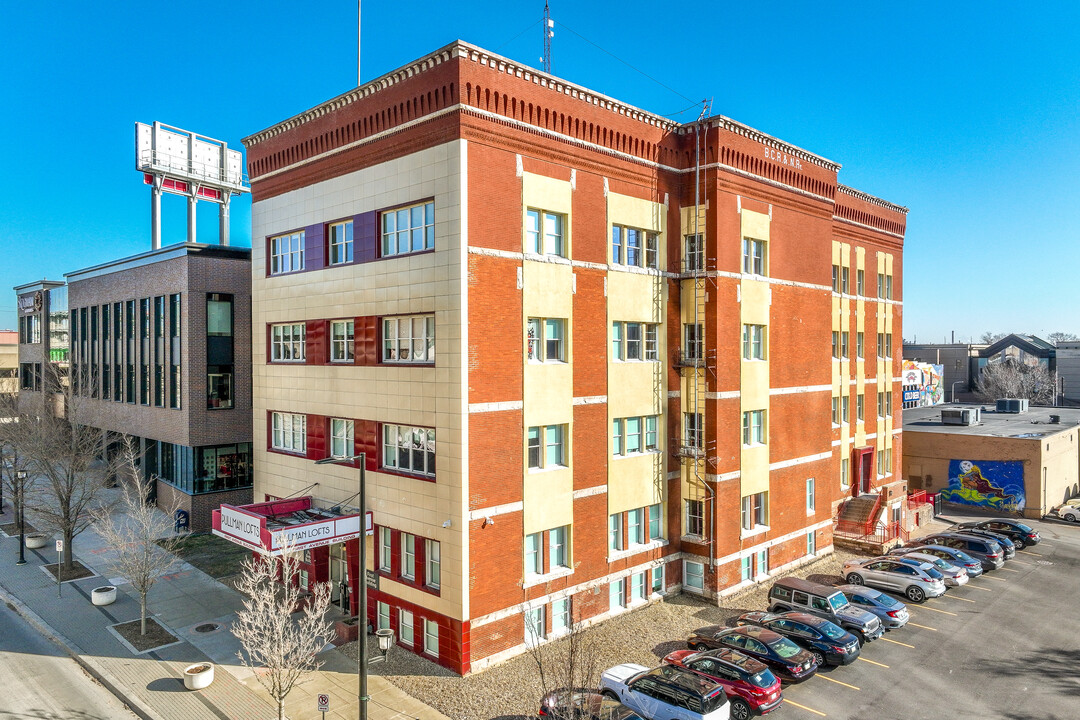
(888, 573)
(954, 576)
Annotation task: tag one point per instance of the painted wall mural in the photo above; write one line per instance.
(986, 483)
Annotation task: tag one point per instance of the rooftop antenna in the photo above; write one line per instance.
(549, 33)
(358, 43)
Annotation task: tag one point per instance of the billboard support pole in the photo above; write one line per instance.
(223, 219)
(155, 212)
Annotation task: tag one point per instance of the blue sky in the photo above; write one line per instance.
(969, 114)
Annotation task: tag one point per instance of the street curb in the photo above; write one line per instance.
(100, 674)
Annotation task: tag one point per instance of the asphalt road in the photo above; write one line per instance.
(1002, 646)
(39, 682)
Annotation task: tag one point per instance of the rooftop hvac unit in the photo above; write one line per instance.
(960, 416)
(1012, 405)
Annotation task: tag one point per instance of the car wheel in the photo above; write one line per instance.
(915, 594)
(610, 694)
(697, 646)
(1068, 517)
(819, 658)
(859, 636)
(740, 710)
(855, 579)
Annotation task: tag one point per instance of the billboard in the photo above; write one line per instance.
(184, 157)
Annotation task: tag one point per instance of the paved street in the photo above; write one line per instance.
(41, 681)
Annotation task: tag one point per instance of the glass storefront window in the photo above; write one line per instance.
(201, 470)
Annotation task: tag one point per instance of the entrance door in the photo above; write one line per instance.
(863, 460)
(339, 577)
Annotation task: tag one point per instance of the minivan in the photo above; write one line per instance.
(985, 550)
(824, 601)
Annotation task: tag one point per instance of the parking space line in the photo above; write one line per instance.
(803, 707)
(1009, 569)
(976, 587)
(991, 577)
(1014, 561)
(952, 597)
(873, 662)
(924, 627)
(931, 609)
(1028, 552)
(826, 677)
(897, 642)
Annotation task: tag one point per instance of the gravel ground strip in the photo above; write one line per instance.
(512, 690)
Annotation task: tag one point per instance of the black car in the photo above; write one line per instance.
(784, 658)
(826, 641)
(1008, 546)
(1022, 535)
(582, 704)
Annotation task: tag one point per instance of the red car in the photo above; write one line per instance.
(751, 687)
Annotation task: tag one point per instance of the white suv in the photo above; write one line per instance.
(665, 692)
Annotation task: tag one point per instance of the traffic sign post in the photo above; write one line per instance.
(59, 564)
(324, 704)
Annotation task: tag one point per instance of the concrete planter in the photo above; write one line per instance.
(198, 676)
(37, 540)
(105, 595)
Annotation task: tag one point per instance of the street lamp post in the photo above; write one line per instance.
(362, 661)
(20, 485)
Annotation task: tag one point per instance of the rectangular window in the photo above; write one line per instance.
(888, 345)
(753, 342)
(860, 401)
(219, 389)
(753, 257)
(845, 343)
(859, 342)
(693, 341)
(409, 339)
(762, 557)
(546, 339)
(651, 436)
(408, 556)
(144, 349)
(888, 286)
(431, 638)
(845, 274)
(289, 432)
(836, 411)
(558, 553)
(811, 538)
(637, 587)
(545, 446)
(755, 510)
(811, 495)
(534, 559)
(341, 341)
(385, 548)
(658, 579)
(888, 403)
(174, 349)
(341, 438)
(616, 341)
(881, 285)
(560, 616)
(432, 563)
(618, 245)
(409, 449)
(845, 402)
(408, 230)
(845, 477)
(615, 537)
(881, 345)
(754, 427)
(633, 246)
(633, 341)
(384, 616)
(287, 253)
(405, 627)
(860, 285)
(288, 342)
(534, 625)
(341, 242)
(835, 344)
(694, 575)
(635, 528)
(695, 518)
(694, 431)
(617, 594)
(693, 253)
(544, 233)
(655, 531)
(746, 568)
(633, 435)
(836, 278)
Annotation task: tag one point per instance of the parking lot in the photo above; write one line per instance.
(1002, 646)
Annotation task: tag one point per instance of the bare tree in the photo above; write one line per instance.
(1059, 337)
(1012, 378)
(140, 535)
(568, 664)
(13, 441)
(280, 648)
(989, 338)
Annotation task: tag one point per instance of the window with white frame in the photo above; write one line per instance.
(888, 403)
(341, 438)
(881, 404)
(632, 341)
(753, 427)
(845, 276)
(287, 342)
(755, 510)
(811, 543)
(615, 535)
(534, 559)
(431, 637)
(693, 575)
(695, 517)
(693, 253)
(409, 449)
(762, 558)
(634, 247)
(408, 339)
(341, 242)
(385, 548)
(888, 286)
(845, 408)
(544, 233)
(560, 616)
(635, 526)
(432, 563)
(408, 556)
(860, 284)
(753, 342)
(634, 435)
(694, 430)
(845, 476)
(693, 341)
(558, 548)
(888, 345)
(656, 530)
(545, 339)
(860, 403)
(289, 432)
(658, 579)
(534, 625)
(617, 594)
(845, 344)
(881, 351)
(836, 410)
(405, 628)
(753, 257)
(408, 230)
(835, 278)
(341, 341)
(859, 342)
(287, 253)
(384, 616)
(836, 344)
(811, 495)
(545, 446)
(637, 587)
(746, 564)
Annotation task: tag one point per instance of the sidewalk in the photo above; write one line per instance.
(182, 600)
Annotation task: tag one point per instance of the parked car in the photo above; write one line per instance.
(948, 554)
(826, 641)
(824, 601)
(581, 704)
(1070, 510)
(751, 687)
(986, 551)
(665, 692)
(784, 658)
(887, 573)
(954, 576)
(891, 612)
(1007, 545)
(1022, 535)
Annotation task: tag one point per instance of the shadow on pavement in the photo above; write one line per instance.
(167, 685)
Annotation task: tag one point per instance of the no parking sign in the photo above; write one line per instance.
(324, 703)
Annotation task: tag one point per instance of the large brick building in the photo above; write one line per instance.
(588, 363)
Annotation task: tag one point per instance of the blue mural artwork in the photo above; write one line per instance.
(986, 483)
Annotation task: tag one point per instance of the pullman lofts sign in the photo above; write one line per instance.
(247, 526)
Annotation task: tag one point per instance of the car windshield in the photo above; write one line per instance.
(964, 557)
(1022, 527)
(940, 564)
(763, 679)
(933, 573)
(838, 601)
(784, 647)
